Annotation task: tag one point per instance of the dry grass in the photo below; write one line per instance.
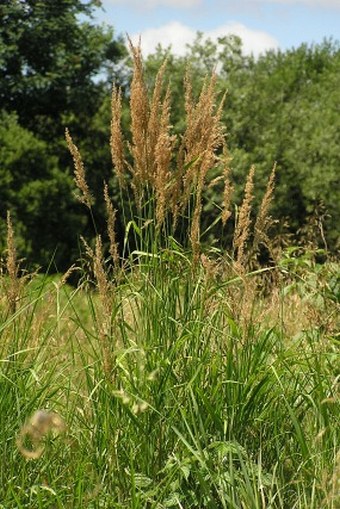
(85, 196)
(116, 138)
(13, 288)
(111, 227)
(242, 229)
(263, 220)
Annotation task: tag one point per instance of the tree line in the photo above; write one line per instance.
(57, 67)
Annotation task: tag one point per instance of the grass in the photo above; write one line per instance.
(171, 376)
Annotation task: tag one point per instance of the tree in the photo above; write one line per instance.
(48, 59)
(55, 67)
(40, 196)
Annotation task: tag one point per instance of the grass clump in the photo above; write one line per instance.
(173, 375)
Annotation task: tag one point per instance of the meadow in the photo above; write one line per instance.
(173, 373)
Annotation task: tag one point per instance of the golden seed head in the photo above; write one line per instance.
(79, 172)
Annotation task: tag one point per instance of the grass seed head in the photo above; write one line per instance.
(79, 172)
(228, 188)
(111, 227)
(103, 283)
(13, 290)
(263, 219)
(242, 229)
(116, 137)
(139, 110)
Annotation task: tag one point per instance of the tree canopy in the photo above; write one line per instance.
(55, 64)
(48, 59)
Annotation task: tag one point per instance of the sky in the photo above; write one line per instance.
(261, 24)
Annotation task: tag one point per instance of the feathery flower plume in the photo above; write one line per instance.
(263, 220)
(203, 136)
(228, 187)
(242, 229)
(139, 108)
(156, 120)
(79, 172)
(101, 277)
(164, 189)
(11, 262)
(104, 290)
(116, 138)
(12, 266)
(111, 224)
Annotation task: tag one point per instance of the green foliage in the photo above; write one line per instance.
(48, 59)
(31, 187)
(196, 411)
(54, 69)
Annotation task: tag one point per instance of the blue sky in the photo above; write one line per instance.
(262, 24)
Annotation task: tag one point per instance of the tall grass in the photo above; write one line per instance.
(172, 376)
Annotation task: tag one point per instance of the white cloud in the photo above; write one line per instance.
(173, 33)
(178, 36)
(142, 4)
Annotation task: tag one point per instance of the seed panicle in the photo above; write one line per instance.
(85, 196)
(13, 290)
